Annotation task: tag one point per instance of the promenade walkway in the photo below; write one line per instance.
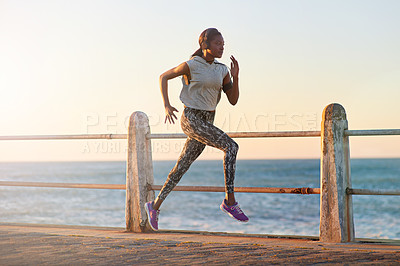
(24, 244)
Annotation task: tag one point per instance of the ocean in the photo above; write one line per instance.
(277, 214)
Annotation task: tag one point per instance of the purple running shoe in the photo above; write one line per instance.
(152, 215)
(234, 211)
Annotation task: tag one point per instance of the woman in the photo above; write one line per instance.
(203, 79)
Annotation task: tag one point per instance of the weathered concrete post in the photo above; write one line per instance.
(336, 214)
(139, 173)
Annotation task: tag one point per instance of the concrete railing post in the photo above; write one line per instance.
(139, 173)
(336, 214)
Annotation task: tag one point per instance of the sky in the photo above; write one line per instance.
(78, 67)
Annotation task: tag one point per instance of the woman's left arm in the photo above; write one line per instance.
(233, 93)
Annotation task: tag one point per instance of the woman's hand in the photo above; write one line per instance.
(234, 67)
(182, 69)
(233, 94)
(169, 114)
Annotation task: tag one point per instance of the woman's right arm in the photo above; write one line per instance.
(182, 69)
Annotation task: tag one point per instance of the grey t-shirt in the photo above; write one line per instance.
(204, 89)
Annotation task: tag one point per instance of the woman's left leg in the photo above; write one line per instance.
(205, 132)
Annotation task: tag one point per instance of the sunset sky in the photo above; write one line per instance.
(77, 67)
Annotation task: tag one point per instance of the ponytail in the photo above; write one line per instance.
(199, 52)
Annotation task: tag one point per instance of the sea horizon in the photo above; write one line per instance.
(168, 160)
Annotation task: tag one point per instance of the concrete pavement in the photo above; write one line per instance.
(25, 244)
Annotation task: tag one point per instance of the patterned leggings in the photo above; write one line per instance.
(198, 126)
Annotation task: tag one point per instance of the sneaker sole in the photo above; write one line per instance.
(148, 217)
(222, 209)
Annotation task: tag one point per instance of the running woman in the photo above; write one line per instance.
(203, 79)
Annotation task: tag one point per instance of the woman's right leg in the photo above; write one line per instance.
(190, 152)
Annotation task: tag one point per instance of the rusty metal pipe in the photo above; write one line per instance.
(303, 190)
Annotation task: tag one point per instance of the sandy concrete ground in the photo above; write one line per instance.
(22, 244)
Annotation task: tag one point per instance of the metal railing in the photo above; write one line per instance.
(278, 134)
(65, 137)
(336, 220)
(369, 133)
(304, 190)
